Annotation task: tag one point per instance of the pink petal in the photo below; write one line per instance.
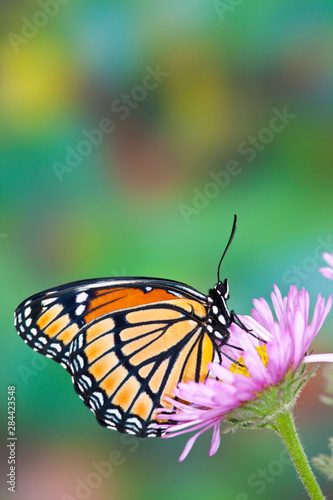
(190, 443)
(298, 330)
(317, 358)
(257, 329)
(215, 439)
(279, 306)
(328, 258)
(327, 272)
(320, 314)
(255, 366)
(279, 360)
(262, 313)
(221, 372)
(188, 447)
(177, 430)
(304, 304)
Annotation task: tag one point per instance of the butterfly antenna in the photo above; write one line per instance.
(228, 244)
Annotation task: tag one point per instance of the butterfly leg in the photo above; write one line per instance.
(233, 360)
(235, 319)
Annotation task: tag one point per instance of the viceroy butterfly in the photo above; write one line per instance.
(127, 342)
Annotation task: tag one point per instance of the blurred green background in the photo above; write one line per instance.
(141, 200)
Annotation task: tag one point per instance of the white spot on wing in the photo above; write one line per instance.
(114, 412)
(110, 424)
(99, 397)
(46, 302)
(80, 340)
(135, 421)
(79, 310)
(176, 294)
(81, 297)
(80, 361)
(55, 346)
(28, 321)
(91, 403)
(27, 312)
(86, 380)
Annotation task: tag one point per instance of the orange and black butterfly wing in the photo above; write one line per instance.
(114, 335)
(125, 362)
(49, 321)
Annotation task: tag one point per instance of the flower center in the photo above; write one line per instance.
(241, 368)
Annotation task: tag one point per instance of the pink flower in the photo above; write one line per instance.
(270, 380)
(327, 272)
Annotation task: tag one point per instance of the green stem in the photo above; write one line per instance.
(285, 427)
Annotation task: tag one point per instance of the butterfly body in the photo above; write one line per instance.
(219, 319)
(128, 342)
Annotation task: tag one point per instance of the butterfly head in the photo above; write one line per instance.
(217, 298)
(222, 289)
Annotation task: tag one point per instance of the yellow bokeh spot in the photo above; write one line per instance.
(241, 368)
(36, 86)
(198, 97)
